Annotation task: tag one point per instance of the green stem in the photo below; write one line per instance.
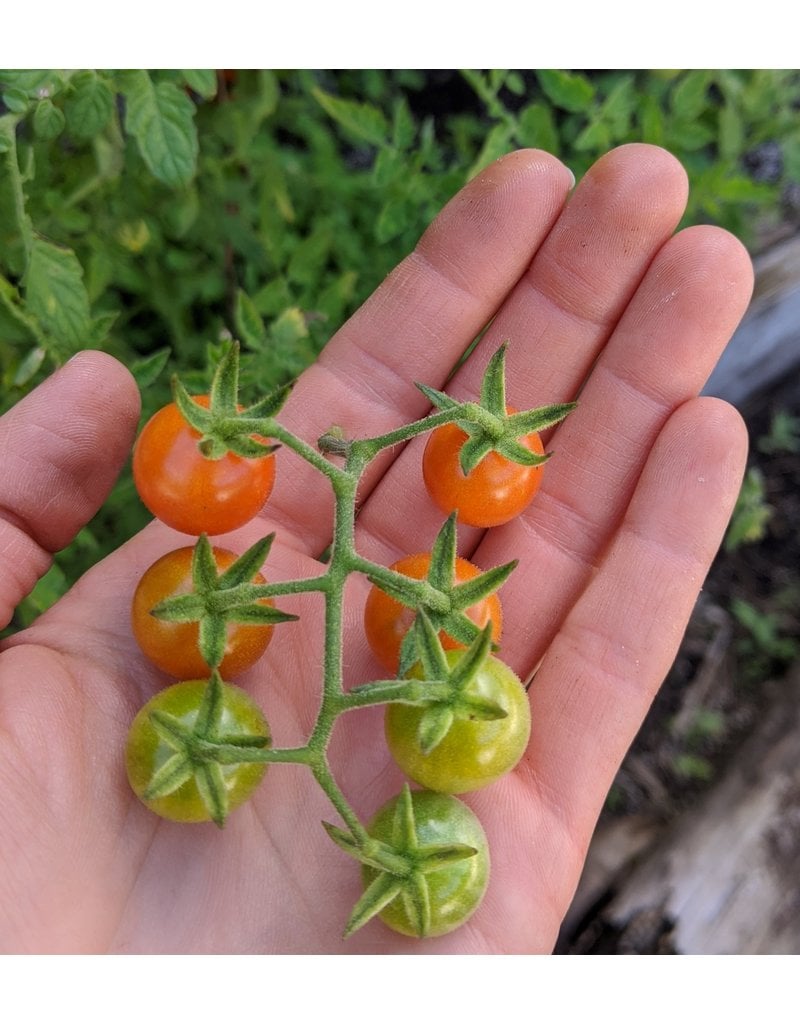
(23, 220)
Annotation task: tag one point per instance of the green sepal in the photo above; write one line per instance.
(246, 565)
(493, 385)
(221, 599)
(378, 895)
(442, 571)
(221, 426)
(209, 714)
(438, 399)
(417, 902)
(414, 692)
(212, 639)
(520, 423)
(181, 608)
(174, 773)
(476, 447)
(210, 784)
(259, 615)
(469, 592)
(170, 729)
(434, 725)
(270, 405)
(429, 648)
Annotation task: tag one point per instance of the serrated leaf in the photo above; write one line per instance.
(566, 90)
(361, 120)
(161, 119)
(89, 105)
(203, 82)
(55, 293)
(404, 127)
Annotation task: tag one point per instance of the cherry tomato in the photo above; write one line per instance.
(147, 751)
(474, 752)
(455, 890)
(386, 621)
(496, 490)
(173, 646)
(189, 492)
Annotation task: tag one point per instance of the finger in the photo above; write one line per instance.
(558, 317)
(419, 322)
(661, 354)
(601, 673)
(61, 449)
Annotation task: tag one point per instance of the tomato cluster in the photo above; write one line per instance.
(456, 717)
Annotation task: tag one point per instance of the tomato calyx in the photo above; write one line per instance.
(443, 600)
(221, 598)
(489, 423)
(403, 867)
(200, 751)
(222, 425)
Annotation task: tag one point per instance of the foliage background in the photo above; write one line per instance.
(154, 213)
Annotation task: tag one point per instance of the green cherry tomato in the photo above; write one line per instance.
(474, 752)
(147, 750)
(454, 891)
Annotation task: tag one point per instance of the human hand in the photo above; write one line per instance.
(595, 294)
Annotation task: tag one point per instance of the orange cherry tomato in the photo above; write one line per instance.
(173, 646)
(189, 492)
(496, 490)
(386, 621)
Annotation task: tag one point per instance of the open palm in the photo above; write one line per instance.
(595, 295)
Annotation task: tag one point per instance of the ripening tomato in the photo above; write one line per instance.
(496, 490)
(386, 621)
(454, 891)
(173, 646)
(147, 751)
(474, 752)
(189, 492)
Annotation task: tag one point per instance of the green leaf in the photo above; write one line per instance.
(731, 132)
(289, 327)
(404, 127)
(16, 101)
(496, 144)
(360, 120)
(29, 367)
(48, 120)
(689, 98)
(536, 127)
(595, 137)
(391, 221)
(566, 89)
(161, 119)
(651, 120)
(89, 105)
(249, 325)
(148, 369)
(56, 295)
(204, 82)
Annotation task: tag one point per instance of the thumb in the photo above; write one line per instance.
(61, 449)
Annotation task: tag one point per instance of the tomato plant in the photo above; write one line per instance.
(386, 620)
(174, 646)
(443, 893)
(494, 492)
(189, 491)
(164, 741)
(474, 751)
